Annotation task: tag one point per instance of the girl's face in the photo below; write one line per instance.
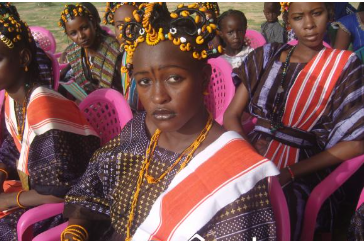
(170, 84)
(309, 21)
(82, 31)
(233, 32)
(125, 11)
(11, 69)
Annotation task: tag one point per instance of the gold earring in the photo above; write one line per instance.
(205, 93)
(26, 68)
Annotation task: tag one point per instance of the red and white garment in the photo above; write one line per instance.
(216, 177)
(46, 110)
(308, 99)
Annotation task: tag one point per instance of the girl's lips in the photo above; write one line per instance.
(163, 115)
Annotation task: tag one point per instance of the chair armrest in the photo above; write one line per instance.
(52, 234)
(37, 214)
(323, 190)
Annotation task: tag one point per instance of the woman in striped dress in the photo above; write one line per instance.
(309, 105)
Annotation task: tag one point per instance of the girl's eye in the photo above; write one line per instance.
(297, 18)
(174, 79)
(317, 13)
(144, 82)
(72, 33)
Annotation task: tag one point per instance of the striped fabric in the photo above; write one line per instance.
(42, 117)
(308, 99)
(103, 63)
(200, 190)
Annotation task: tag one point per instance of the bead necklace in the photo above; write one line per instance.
(188, 152)
(276, 123)
(21, 126)
(88, 60)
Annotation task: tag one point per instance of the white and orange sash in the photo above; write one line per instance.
(216, 177)
(47, 110)
(307, 100)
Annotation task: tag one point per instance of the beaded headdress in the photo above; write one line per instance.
(211, 6)
(284, 6)
(72, 11)
(111, 8)
(12, 31)
(6, 10)
(187, 27)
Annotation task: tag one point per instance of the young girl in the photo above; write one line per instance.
(173, 160)
(309, 105)
(232, 25)
(115, 14)
(45, 132)
(94, 57)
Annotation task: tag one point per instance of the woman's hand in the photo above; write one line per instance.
(284, 177)
(7, 201)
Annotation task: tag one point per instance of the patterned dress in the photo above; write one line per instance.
(105, 70)
(353, 26)
(104, 193)
(55, 163)
(342, 119)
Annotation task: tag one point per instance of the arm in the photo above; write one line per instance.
(233, 114)
(335, 155)
(342, 40)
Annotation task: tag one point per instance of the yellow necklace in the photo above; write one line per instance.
(148, 156)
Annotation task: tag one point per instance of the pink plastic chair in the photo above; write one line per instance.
(280, 209)
(256, 38)
(34, 215)
(55, 69)
(221, 88)
(295, 42)
(108, 30)
(361, 199)
(44, 38)
(107, 111)
(322, 191)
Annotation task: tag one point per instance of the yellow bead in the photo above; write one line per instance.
(199, 40)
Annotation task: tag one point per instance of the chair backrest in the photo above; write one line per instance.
(256, 38)
(55, 70)
(295, 42)
(280, 209)
(108, 30)
(361, 199)
(360, 53)
(107, 111)
(221, 89)
(44, 38)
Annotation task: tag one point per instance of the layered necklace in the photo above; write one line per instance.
(276, 117)
(21, 121)
(188, 152)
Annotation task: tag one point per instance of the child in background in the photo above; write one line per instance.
(232, 25)
(94, 56)
(272, 30)
(115, 14)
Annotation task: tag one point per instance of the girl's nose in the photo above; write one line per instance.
(160, 94)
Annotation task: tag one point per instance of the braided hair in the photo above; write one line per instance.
(229, 13)
(111, 8)
(72, 11)
(6, 10)
(187, 27)
(15, 34)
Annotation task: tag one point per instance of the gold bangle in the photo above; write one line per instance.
(79, 232)
(17, 199)
(80, 227)
(6, 173)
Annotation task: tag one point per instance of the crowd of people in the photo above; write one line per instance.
(173, 173)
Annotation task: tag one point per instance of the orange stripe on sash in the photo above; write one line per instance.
(13, 128)
(235, 159)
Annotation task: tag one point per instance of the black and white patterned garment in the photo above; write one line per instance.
(104, 193)
(57, 159)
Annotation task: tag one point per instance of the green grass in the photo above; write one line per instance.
(47, 14)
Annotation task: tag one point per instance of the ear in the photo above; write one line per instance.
(25, 57)
(206, 76)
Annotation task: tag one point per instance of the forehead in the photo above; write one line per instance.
(298, 7)
(76, 22)
(124, 11)
(232, 19)
(162, 54)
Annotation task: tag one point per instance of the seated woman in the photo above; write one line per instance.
(48, 141)
(351, 30)
(94, 56)
(115, 14)
(172, 165)
(44, 62)
(309, 103)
